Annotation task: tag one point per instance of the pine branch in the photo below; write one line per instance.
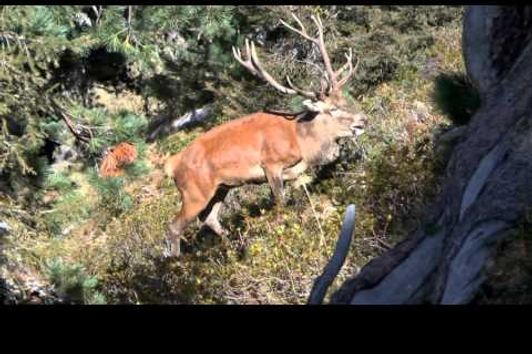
(60, 112)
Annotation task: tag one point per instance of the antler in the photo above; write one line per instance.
(332, 76)
(349, 63)
(254, 66)
(328, 84)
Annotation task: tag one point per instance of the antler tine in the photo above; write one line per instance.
(323, 50)
(246, 63)
(299, 22)
(267, 77)
(302, 31)
(324, 86)
(248, 50)
(349, 57)
(307, 94)
(351, 70)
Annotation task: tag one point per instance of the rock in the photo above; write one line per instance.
(65, 153)
(6, 296)
(64, 158)
(4, 228)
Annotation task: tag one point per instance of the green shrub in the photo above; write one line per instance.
(112, 198)
(67, 211)
(456, 97)
(73, 284)
(59, 181)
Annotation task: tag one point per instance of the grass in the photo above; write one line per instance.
(509, 272)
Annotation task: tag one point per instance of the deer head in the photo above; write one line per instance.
(328, 100)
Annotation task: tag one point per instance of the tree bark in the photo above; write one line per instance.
(487, 188)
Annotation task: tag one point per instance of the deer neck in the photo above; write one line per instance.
(317, 145)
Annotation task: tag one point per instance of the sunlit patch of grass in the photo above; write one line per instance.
(447, 49)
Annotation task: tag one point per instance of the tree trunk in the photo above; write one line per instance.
(488, 184)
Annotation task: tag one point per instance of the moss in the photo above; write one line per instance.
(509, 272)
(67, 212)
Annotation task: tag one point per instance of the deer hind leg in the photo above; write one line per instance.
(193, 202)
(210, 215)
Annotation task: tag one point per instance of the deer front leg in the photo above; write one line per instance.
(274, 175)
(174, 232)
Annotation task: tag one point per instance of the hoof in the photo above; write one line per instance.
(171, 251)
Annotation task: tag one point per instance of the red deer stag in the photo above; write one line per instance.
(262, 147)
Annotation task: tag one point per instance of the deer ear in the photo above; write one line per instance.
(318, 106)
